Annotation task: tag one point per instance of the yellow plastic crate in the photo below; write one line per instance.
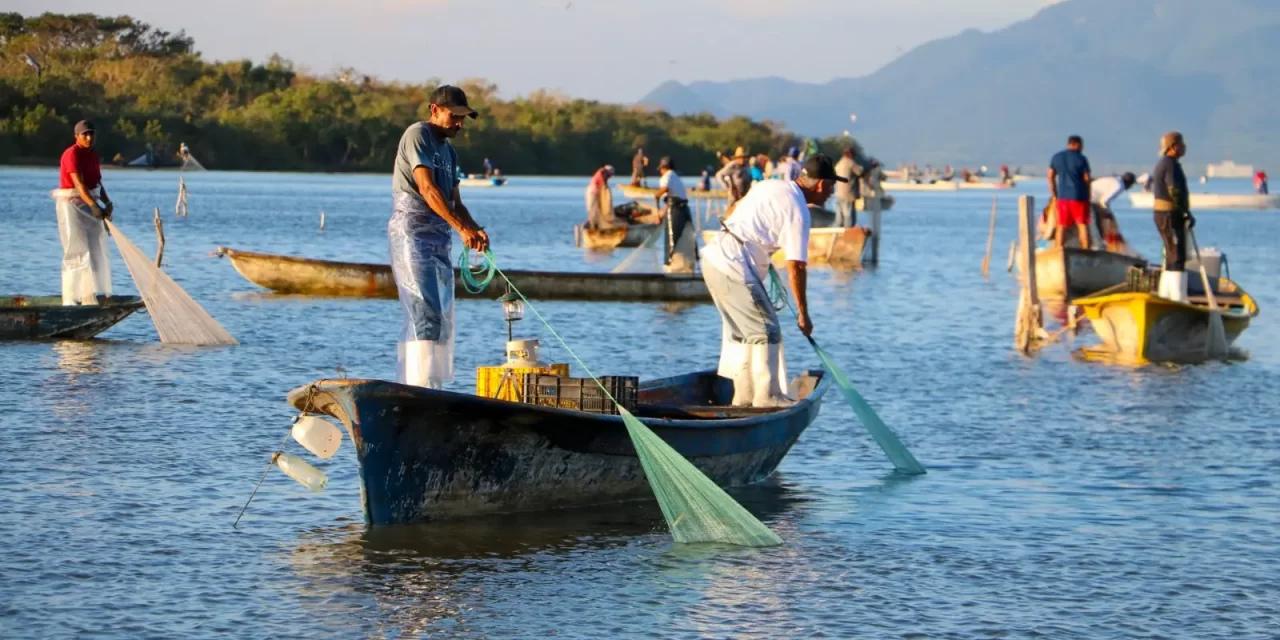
(506, 383)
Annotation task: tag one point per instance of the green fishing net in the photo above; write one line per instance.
(695, 508)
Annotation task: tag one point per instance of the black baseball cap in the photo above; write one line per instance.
(453, 98)
(819, 167)
(84, 126)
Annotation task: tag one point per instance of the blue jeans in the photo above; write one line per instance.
(846, 213)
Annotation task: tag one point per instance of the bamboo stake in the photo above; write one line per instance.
(991, 237)
(159, 236)
(322, 219)
(1013, 248)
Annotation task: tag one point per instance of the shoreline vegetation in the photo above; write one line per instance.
(144, 86)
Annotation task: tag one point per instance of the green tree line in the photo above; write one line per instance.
(146, 86)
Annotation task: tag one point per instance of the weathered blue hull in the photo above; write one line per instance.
(428, 454)
(45, 317)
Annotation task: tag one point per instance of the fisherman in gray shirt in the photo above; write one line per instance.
(426, 210)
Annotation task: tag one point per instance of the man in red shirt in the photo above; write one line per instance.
(86, 267)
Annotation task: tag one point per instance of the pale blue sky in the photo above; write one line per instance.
(612, 50)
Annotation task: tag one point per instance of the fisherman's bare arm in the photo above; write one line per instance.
(453, 212)
(1053, 183)
(798, 274)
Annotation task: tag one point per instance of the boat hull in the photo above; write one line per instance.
(1071, 272)
(482, 182)
(630, 236)
(1215, 201)
(647, 193)
(944, 185)
(302, 276)
(1141, 328)
(835, 246)
(427, 454)
(46, 318)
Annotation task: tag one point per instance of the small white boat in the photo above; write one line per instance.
(941, 185)
(983, 185)
(482, 182)
(1215, 201)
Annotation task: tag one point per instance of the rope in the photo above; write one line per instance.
(472, 280)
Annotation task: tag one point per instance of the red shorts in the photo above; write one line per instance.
(1073, 212)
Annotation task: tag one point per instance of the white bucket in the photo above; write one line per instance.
(318, 435)
(1212, 259)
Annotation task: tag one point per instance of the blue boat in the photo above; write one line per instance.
(46, 318)
(427, 454)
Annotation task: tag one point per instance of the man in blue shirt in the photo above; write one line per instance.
(1069, 185)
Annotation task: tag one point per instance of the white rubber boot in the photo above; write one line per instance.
(1173, 285)
(743, 386)
(764, 374)
(417, 363)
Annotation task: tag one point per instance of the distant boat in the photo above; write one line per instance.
(647, 193)
(305, 276)
(482, 182)
(1215, 201)
(941, 185)
(1229, 169)
(46, 318)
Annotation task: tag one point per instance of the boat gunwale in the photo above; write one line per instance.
(339, 393)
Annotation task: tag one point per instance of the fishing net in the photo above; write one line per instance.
(643, 259)
(897, 452)
(178, 318)
(696, 510)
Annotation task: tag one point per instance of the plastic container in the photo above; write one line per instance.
(318, 435)
(305, 474)
(507, 382)
(582, 394)
(1212, 259)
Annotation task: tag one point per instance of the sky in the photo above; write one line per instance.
(608, 50)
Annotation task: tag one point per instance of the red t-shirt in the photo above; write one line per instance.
(599, 179)
(78, 159)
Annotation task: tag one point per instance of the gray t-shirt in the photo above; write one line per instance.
(418, 147)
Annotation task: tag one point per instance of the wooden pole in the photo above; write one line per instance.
(1013, 247)
(875, 234)
(1030, 322)
(322, 219)
(991, 237)
(159, 236)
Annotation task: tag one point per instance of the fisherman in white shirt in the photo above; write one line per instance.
(773, 216)
(1102, 192)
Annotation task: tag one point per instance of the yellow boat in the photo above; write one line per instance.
(1141, 328)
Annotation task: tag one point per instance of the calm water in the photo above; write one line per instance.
(1064, 499)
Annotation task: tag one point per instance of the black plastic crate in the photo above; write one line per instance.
(581, 394)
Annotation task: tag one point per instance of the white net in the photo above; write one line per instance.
(178, 318)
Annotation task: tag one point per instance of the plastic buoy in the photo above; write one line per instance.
(305, 474)
(318, 435)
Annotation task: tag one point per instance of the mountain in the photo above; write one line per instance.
(1118, 72)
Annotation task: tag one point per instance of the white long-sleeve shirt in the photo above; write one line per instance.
(1104, 190)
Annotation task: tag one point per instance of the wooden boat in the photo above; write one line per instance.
(482, 182)
(45, 317)
(1140, 327)
(820, 217)
(1215, 201)
(427, 454)
(941, 185)
(983, 185)
(303, 276)
(647, 193)
(835, 246)
(632, 235)
(1072, 272)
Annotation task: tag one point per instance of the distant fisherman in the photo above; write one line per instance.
(1260, 183)
(735, 176)
(427, 207)
(599, 199)
(1069, 187)
(86, 267)
(638, 163)
(735, 265)
(680, 252)
(847, 190)
(1172, 214)
(1102, 193)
